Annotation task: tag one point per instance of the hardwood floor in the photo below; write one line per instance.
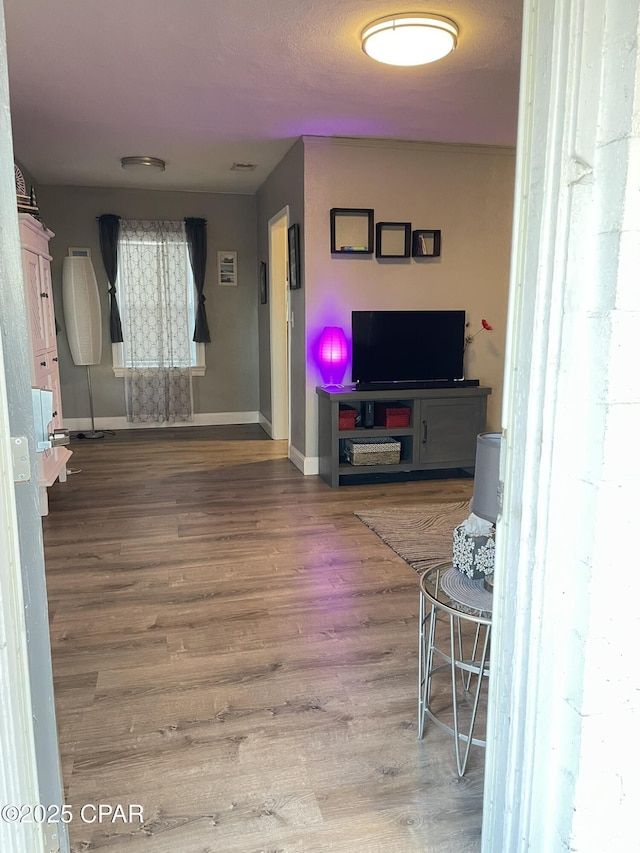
(234, 651)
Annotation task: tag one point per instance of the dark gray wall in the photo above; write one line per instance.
(231, 380)
(285, 186)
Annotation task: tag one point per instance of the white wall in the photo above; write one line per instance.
(465, 191)
(564, 703)
(28, 737)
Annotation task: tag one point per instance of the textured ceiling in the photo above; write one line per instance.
(204, 83)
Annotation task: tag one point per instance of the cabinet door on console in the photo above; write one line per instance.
(449, 429)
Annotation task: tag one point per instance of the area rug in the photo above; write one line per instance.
(422, 535)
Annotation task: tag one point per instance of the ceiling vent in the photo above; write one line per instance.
(243, 167)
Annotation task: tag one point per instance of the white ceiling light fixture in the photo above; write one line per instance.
(414, 38)
(143, 164)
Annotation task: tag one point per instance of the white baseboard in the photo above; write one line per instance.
(309, 465)
(312, 465)
(265, 424)
(202, 419)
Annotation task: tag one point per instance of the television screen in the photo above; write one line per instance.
(407, 346)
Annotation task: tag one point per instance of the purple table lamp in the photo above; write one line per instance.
(333, 355)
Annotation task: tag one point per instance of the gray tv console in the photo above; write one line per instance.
(443, 428)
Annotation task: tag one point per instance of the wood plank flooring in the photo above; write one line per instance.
(234, 651)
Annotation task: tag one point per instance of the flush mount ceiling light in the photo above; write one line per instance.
(146, 164)
(409, 39)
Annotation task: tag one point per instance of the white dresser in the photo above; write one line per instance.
(36, 265)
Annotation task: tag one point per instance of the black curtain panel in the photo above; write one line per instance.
(196, 230)
(109, 227)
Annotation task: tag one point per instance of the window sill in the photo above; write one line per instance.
(121, 372)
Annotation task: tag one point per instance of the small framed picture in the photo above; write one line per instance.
(295, 280)
(227, 269)
(263, 283)
(77, 252)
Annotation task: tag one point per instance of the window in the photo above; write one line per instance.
(156, 294)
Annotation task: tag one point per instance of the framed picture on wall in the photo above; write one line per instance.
(295, 280)
(263, 283)
(227, 269)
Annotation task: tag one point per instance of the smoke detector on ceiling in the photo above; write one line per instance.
(143, 164)
(243, 167)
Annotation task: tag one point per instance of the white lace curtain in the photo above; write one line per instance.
(153, 287)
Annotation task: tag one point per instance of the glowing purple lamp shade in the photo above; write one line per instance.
(333, 355)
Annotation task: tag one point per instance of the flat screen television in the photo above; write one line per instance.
(409, 347)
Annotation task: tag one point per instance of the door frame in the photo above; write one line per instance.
(19, 782)
(279, 337)
(18, 771)
(29, 771)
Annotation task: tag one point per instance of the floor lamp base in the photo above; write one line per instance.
(91, 434)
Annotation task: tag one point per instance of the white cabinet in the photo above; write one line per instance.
(36, 265)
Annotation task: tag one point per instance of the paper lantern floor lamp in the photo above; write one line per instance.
(83, 320)
(332, 355)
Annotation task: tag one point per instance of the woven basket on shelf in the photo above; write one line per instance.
(373, 451)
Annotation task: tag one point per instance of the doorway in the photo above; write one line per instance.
(279, 326)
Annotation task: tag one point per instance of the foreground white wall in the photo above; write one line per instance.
(564, 701)
(29, 763)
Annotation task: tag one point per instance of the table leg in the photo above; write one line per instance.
(466, 669)
(425, 662)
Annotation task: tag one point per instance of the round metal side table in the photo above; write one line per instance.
(448, 596)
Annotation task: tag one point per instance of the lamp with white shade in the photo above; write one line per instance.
(474, 539)
(486, 483)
